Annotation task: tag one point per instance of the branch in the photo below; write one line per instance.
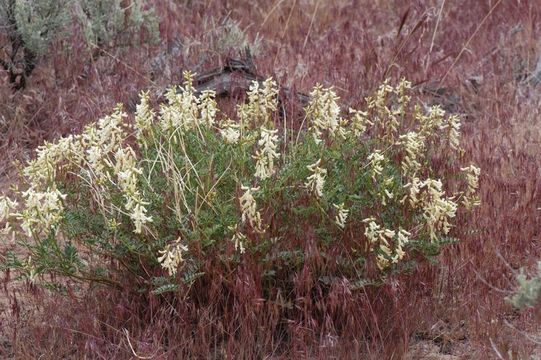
(236, 76)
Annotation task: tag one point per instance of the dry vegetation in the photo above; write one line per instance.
(476, 58)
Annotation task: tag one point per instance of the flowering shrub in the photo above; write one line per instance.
(150, 205)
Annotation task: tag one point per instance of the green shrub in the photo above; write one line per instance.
(144, 206)
(37, 22)
(28, 28)
(528, 291)
(115, 23)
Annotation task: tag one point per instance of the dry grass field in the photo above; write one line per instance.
(480, 59)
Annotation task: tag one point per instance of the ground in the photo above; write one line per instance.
(481, 63)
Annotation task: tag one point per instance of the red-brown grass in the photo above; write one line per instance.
(482, 56)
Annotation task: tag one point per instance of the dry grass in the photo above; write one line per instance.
(482, 57)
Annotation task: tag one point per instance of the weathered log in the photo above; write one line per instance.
(235, 77)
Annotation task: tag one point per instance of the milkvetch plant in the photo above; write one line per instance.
(184, 187)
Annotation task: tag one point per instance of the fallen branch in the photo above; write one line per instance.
(235, 77)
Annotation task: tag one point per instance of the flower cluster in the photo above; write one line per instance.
(208, 107)
(430, 122)
(230, 131)
(384, 116)
(102, 139)
(7, 208)
(127, 172)
(376, 159)
(42, 210)
(30, 270)
(50, 159)
(342, 216)
(359, 122)
(182, 110)
(144, 117)
(402, 239)
(384, 193)
(413, 145)
(470, 199)
(414, 188)
(266, 154)
(323, 112)
(238, 239)
(315, 182)
(248, 206)
(437, 209)
(378, 102)
(401, 91)
(262, 102)
(171, 256)
(376, 234)
(452, 131)
(95, 156)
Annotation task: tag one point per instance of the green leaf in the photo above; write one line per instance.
(165, 289)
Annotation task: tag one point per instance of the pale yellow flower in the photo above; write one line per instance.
(208, 107)
(472, 177)
(182, 110)
(414, 187)
(382, 262)
(316, 181)
(126, 170)
(386, 194)
(144, 116)
(403, 239)
(452, 131)
(172, 256)
(378, 102)
(30, 270)
(341, 218)
(401, 91)
(103, 139)
(359, 122)
(384, 115)
(42, 210)
(266, 154)
(437, 209)
(139, 217)
(470, 199)
(248, 206)
(238, 239)
(413, 145)
(230, 131)
(375, 233)
(262, 102)
(431, 122)
(386, 249)
(323, 112)
(170, 118)
(6, 207)
(376, 160)
(7, 211)
(50, 159)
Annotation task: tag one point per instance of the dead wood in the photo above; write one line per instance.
(235, 77)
